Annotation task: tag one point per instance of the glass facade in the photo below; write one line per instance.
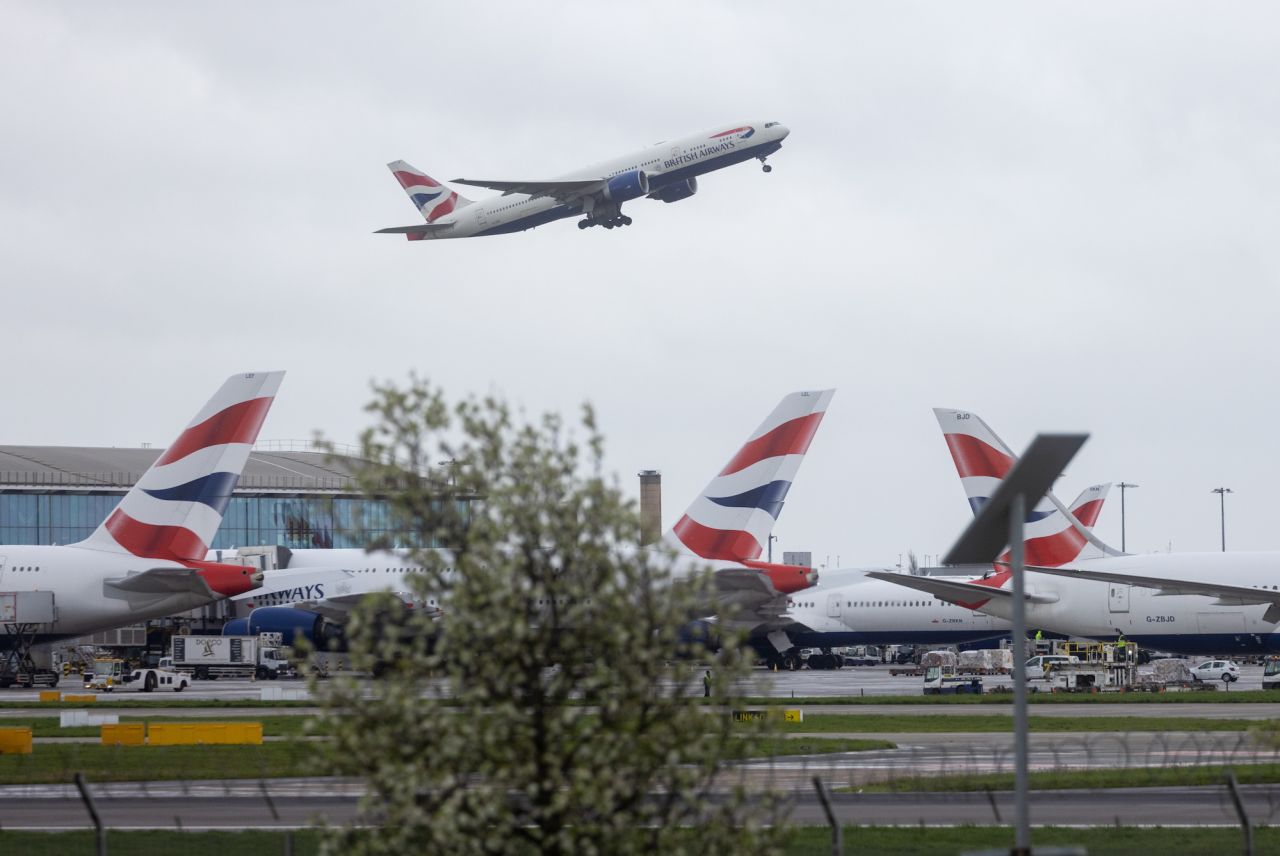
(290, 521)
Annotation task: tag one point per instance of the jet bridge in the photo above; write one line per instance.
(22, 614)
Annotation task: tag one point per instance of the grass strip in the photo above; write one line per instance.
(57, 763)
(1116, 777)
(47, 726)
(925, 723)
(1006, 698)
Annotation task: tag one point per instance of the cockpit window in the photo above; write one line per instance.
(770, 124)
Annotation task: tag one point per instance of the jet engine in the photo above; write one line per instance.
(679, 190)
(293, 624)
(629, 185)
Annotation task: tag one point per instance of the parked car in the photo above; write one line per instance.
(1216, 670)
(1038, 665)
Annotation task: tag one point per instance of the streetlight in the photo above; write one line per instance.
(1123, 487)
(1222, 503)
(772, 538)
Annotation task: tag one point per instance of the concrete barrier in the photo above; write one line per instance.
(74, 718)
(50, 695)
(212, 733)
(124, 734)
(79, 698)
(15, 741)
(283, 694)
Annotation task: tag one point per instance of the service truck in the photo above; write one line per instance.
(941, 677)
(213, 657)
(111, 674)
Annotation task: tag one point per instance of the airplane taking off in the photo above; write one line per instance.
(725, 529)
(147, 559)
(1190, 603)
(666, 171)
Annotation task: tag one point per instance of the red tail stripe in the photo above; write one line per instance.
(1088, 513)
(976, 458)
(787, 579)
(733, 545)
(411, 179)
(789, 438)
(171, 543)
(442, 209)
(239, 423)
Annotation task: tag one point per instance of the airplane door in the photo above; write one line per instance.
(833, 606)
(1118, 600)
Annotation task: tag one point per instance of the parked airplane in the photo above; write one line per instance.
(1192, 603)
(724, 529)
(147, 559)
(864, 609)
(666, 171)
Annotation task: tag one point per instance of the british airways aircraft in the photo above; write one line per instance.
(666, 171)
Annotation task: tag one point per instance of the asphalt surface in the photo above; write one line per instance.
(299, 802)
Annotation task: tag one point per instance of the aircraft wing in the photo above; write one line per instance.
(952, 591)
(1165, 587)
(562, 191)
(418, 229)
(160, 581)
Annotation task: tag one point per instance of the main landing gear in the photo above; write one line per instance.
(608, 223)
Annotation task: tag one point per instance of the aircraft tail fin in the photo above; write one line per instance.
(432, 198)
(734, 515)
(1054, 536)
(174, 510)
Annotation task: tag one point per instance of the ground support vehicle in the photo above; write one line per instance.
(1216, 670)
(1271, 673)
(941, 677)
(110, 675)
(1094, 667)
(213, 657)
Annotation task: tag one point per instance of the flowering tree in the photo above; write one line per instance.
(553, 704)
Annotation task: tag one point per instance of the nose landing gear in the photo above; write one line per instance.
(764, 167)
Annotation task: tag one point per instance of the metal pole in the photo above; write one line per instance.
(1123, 487)
(1222, 507)
(93, 813)
(1021, 782)
(837, 834)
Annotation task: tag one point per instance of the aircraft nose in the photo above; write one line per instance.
(783, 131)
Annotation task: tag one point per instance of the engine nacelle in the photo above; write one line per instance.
(679, 190)
(629, 185)
(293, 624)
(699, 636)
(236, 627)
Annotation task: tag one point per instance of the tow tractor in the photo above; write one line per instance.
(112, 674)
(941, 678)
(1271, 673)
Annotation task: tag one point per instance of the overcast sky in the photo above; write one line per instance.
(1059, 216)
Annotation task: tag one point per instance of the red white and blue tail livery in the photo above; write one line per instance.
(175, 509)
(733, 516)
(1054, 537)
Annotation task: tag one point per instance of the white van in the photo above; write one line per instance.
(1038, 665)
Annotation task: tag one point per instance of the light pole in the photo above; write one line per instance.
(772, 538)
(1222, 507)
(1123, 487)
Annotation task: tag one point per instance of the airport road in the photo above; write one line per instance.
(868, 681)
(298, 802)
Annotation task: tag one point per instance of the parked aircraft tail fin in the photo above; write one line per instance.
(733, 517)
(1054, 536)
(174, 510)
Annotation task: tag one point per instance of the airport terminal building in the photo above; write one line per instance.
(291, 495)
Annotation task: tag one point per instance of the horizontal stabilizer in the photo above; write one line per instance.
(419, 229)
(160, 581)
